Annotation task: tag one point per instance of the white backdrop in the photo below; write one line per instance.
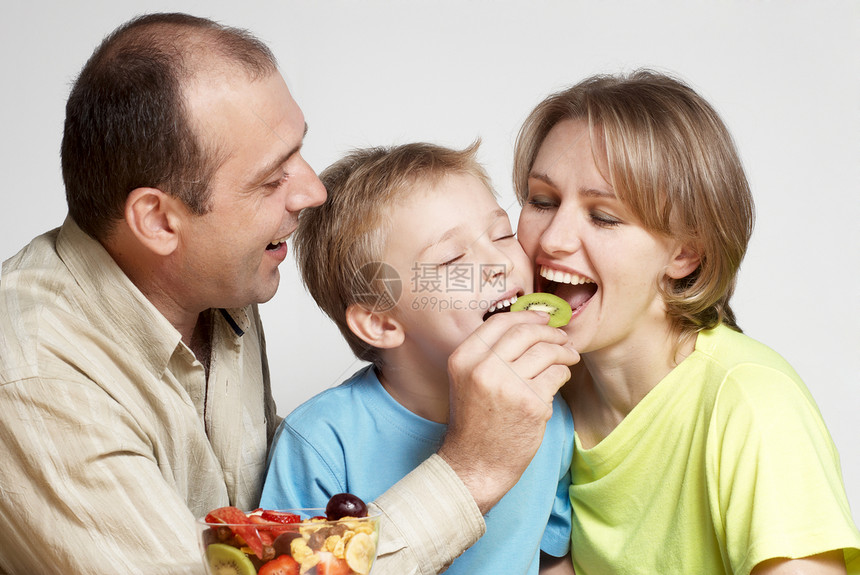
(785, 76)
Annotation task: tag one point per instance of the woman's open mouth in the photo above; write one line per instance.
(573, 288)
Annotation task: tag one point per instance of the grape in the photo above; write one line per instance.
(345, 505)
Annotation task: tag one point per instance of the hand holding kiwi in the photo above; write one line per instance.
(559, 310)
(503, 379)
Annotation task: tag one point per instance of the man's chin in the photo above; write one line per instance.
(271, 289)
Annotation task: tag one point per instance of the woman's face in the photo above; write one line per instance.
(591, 250)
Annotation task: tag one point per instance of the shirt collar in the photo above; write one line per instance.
(119, 302)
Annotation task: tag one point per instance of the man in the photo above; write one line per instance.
(134, 387)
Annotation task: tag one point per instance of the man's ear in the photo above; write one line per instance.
(152, 217)
(684, 262)
(376, 328)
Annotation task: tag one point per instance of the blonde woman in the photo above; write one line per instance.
(697, 449)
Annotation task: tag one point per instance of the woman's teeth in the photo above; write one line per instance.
(561, 277)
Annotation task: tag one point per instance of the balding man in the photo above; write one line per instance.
(134, 387)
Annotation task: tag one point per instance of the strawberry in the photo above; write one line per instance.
(280, 516)
(283, 565)
(240, 524)
(267, 536)
(228, 515)
(331, 565)
(274, 523)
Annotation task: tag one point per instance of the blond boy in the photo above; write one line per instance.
(409, 255)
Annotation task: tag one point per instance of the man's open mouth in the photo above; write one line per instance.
(277, 243)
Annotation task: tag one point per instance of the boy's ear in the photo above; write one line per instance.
(684, 262)
(375, 328)
(153, 218)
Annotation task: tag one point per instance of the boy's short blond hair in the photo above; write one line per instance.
(672, 161)
(344, 239)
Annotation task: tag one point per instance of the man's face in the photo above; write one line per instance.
(229, 256)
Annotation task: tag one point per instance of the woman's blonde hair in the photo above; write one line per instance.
(339, 245)
(672, 161)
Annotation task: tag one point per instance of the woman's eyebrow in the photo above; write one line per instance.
(543, 178)
(589, 192)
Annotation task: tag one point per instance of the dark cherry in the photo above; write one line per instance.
(282, 542)
(345, 505)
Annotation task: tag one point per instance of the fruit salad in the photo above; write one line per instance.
(342, 541)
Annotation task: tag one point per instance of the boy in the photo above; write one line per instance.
(407, 256)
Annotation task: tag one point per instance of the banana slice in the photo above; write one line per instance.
(359, 553)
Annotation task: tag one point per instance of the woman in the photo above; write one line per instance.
(698, 450)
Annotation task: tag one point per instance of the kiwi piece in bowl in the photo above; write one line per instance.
(227, 560)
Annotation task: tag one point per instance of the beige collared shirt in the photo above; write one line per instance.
(112, 442)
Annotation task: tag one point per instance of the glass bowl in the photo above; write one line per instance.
(277, 542)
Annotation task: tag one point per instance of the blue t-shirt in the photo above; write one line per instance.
(356, 438)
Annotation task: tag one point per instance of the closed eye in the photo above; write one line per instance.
(541, 204)
(451, 261)
(275, 184)
(604, 220)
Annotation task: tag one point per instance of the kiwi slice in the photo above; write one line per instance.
(227, 560)
(559, 310)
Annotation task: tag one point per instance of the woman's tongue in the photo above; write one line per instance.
(575, 295)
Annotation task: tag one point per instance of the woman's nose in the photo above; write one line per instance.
(561, 236)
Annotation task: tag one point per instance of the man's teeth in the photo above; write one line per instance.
(273, 245)
(501, 304)
(561, 277)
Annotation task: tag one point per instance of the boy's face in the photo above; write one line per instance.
(457, 256)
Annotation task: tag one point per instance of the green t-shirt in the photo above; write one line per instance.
(724, 464)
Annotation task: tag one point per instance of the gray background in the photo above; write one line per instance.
(785, 75)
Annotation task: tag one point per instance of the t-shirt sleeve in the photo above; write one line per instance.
(298, 475)
(556, 537)
(775, 482)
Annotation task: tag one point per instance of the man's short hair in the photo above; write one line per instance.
(127, 124)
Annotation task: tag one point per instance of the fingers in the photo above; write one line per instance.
(540, 355)
(508, 336)
(500, 325)
(503, 380)
(547, 383)
(522, 344)
(520, 372)
(521, 338)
